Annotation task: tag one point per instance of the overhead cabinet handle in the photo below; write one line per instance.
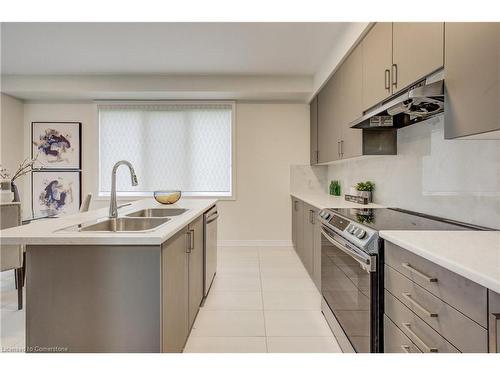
(407, 296)
(395, 75)
(426, 347)
(387, 78)
(418, 273)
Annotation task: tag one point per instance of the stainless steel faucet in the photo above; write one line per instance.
(113, 207)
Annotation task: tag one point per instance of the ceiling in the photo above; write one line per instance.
(167, 48)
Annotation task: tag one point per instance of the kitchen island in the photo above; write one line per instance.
(105, 291)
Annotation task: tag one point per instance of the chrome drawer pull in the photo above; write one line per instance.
(406, 348)
(427, 348)
(418, 273)
(407, 296)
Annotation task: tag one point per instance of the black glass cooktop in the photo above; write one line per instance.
(398, 219)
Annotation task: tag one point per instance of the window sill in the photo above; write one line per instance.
(128, 198)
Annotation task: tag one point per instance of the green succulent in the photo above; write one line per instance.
(365, 186)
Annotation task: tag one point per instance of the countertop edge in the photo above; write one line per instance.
(152, 238)
(450, 265)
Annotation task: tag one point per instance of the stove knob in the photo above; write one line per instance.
(361, 234)
(351, 228)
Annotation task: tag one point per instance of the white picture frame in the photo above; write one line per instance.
(57, 145)
(55, 193)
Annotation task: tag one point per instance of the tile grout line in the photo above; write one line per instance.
(262, 299)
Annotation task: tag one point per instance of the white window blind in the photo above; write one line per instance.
(185, 147)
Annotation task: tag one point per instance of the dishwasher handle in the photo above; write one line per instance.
(212, 217)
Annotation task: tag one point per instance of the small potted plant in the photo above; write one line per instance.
(365, 190)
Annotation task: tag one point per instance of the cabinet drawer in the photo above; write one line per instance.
(464, 295)
(395, 341)
(470, 338)
(427, 339)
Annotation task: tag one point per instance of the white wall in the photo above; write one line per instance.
(269, 138)
(81, 112)
(11, 134)
(455, 179)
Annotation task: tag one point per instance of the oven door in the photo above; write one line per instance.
(348, 283)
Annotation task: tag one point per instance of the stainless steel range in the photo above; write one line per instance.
(352, 269)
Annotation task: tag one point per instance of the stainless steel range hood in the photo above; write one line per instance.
(420, 102)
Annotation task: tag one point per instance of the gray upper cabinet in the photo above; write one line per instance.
(195, 248)
(377, 62)
(472, 78)
(329, 120)
(417, 51)
(351, 74)
(313, 110)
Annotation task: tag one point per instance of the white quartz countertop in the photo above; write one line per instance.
(474, 255)
(329, 201)
(47, 232)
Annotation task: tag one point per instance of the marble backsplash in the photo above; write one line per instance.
(454, 179)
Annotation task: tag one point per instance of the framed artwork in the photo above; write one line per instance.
(55, 193)
(58, 144)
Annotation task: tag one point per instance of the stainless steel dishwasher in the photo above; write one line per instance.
(210, 223)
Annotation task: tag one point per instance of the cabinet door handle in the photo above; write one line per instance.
(387, 78)
(313, 219)
(395, 75)
(406, 348)
(188, 241)
(341, 149)
(494, 331)
(426, 347)
(191, 239)
(407, 296)
(295, 205)
(338, 149)
(317, 156)
(418, 273)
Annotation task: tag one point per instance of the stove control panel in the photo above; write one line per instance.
(355, 232)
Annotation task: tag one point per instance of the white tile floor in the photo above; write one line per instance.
(262, 300)
(12, 322)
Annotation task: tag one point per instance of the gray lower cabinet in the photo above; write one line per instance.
(306, 238)
(396, 341)
(182, 284)
(298, 225)
(494, 322)
(195, 268)
(472, 78)
(436, 309)
(309, 223)
(175, 289)
(93, 298)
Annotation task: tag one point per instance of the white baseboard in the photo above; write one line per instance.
(254, 243)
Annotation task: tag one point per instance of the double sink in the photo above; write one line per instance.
(139, 221)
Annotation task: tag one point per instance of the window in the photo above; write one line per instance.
(179, 146)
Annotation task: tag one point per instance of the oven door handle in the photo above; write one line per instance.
(364, 259)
